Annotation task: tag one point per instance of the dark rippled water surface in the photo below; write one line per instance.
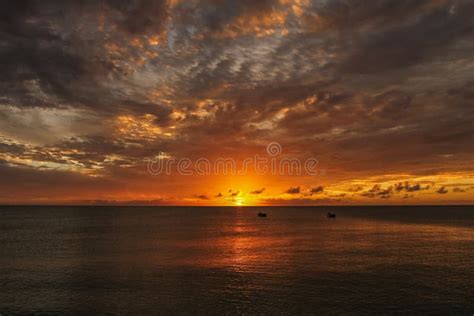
(177, 260)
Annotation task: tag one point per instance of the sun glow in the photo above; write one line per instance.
(239, 201)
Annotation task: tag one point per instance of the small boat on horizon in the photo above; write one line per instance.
(331, 215)
(261, 214)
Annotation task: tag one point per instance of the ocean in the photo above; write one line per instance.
(226, 260)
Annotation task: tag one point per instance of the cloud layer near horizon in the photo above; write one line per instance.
(378, 91)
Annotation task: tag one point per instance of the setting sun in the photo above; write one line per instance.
(239, 201)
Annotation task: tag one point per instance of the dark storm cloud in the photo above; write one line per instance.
(87, 154)
(407, 187)
(24, 65)
(50, 58)
(316, 190)
(258, 191)
(210, 16)
(31, 183)
(293, 190)
(355, 189)
(14, 149)
(202, 197)
(466, 91)
(367, 87)
(344, 15)
(378, 192)
(142, 16)
(33, 48)
(384, 123)
(413, 42)
(442, 190)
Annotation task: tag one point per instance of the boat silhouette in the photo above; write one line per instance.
(261, 214)
(331, 215)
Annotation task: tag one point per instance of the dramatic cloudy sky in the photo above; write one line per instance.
(380, 92)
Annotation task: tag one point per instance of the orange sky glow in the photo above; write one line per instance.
(380, 96)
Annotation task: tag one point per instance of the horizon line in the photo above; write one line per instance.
(237, 206)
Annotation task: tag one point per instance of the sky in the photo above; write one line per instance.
(95, 96)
